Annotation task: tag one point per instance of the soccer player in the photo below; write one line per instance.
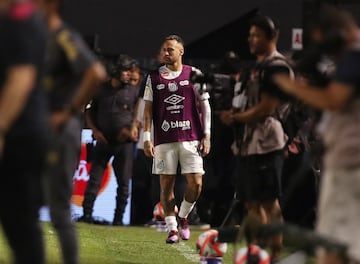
(181, 132)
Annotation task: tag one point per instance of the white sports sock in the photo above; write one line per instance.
(185, 208)
(171, 223)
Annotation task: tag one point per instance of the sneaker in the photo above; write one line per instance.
(184, 229)
(173, 237)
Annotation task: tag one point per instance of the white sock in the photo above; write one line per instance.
(185, 208)
(171, 223)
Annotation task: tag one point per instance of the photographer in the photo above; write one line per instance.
(261, 145)
(219, 163)
(110, 115)
(336, 34)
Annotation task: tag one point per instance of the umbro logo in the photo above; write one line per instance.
(174, 99)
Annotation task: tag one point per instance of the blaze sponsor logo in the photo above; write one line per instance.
(81, 178)
(184, 125)
(185, 82)
(165, 126)
(172, 86)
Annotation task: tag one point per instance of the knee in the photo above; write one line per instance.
(273, 207)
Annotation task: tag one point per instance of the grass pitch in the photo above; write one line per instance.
(124, 245)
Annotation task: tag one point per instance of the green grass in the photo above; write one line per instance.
(125, 245)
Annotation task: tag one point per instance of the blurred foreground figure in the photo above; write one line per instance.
(23, 126)
(336, 34)
(260, 146)
(72, 76)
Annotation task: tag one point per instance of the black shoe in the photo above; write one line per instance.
(97, 220)
(117, 223)
(86, 218)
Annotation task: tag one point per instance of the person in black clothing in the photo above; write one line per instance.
(111, 117)
(23, 128)
(262, 142)
(72, 76)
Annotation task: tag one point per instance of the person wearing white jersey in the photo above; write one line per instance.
(181, 115)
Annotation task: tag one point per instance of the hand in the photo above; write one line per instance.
(134, 133)
(99, 136)
(227, 117)
(205, 145)
(149, 149)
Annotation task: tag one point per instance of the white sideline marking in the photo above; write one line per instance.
(187, 252)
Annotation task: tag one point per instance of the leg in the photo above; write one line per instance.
(141, 190)
(102, 154)
(324, 257)
(20, 173)
(193, 189)
(273, 213)
(122, 164)
(192, 167)
(269, 191)
(192, 193)
(167, 199)
(60, 189)
(256, 216)
(165, 164)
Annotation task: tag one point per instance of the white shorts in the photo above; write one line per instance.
(339, 208)
(167, 156)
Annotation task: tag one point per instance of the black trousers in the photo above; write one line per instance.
(122, 164)
(59, 186)
(21, 171)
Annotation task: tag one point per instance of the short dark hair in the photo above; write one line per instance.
(266, 24)
(175, 37)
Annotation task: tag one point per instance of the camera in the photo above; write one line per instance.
(219, 86)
